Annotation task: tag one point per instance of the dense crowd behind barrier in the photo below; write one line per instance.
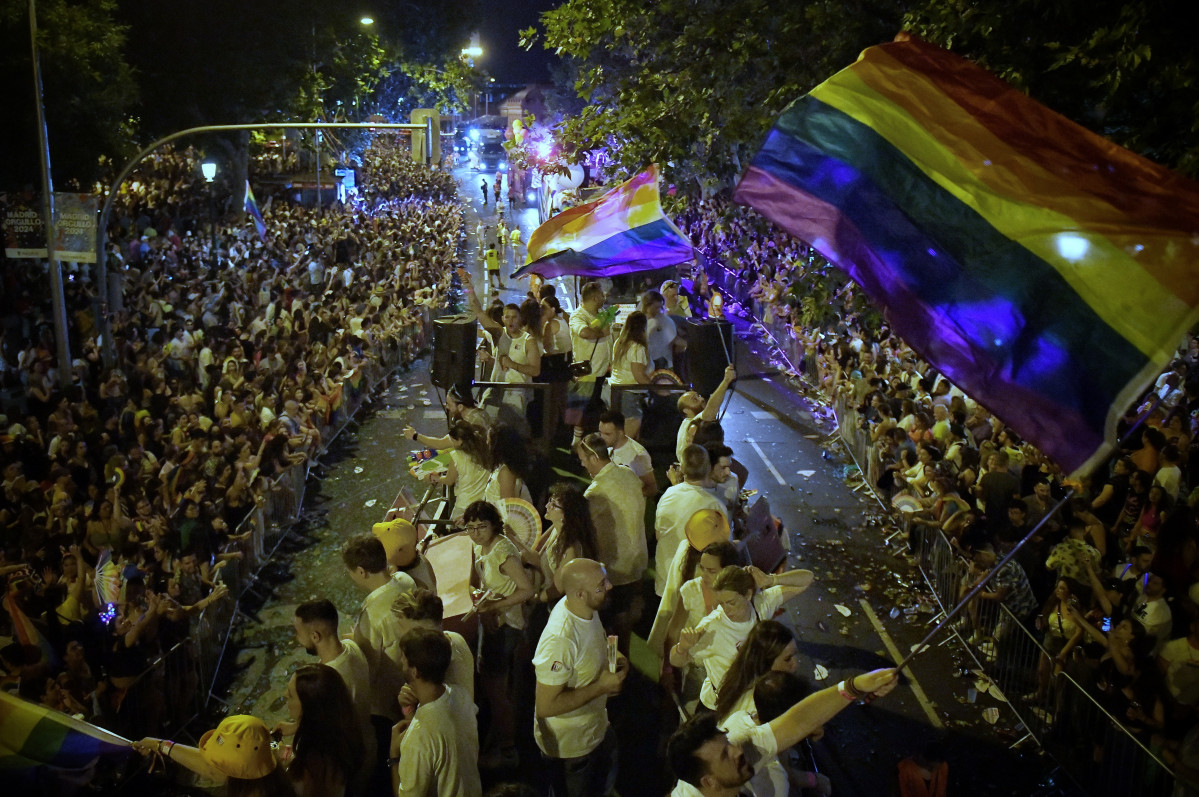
(1103, 603)
(236, 367)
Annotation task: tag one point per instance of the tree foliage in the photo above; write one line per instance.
(695, 84)
(1127, 70)
(88, 87)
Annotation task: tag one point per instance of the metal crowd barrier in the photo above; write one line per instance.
(1056, 712)
(1061, 716)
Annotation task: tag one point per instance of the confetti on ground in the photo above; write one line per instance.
(359, 469)
(845, 612)
(991, 715)
(807, 474)
(371, 503)
(820, 673)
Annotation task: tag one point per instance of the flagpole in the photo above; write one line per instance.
(916, 651)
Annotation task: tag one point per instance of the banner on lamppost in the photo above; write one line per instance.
(24, 230)
(74, 226)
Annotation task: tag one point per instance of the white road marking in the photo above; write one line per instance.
(917, 690)
(760, 415)
(769, 465)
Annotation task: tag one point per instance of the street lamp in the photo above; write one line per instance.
(208, 169)
(367, 21)
(487, 97)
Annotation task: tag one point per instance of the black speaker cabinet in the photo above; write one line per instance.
(454, 342)
(709, 351)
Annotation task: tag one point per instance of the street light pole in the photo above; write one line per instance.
(317, 138)
(57, 297)
(208, 168)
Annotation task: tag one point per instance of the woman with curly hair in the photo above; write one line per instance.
(571, 535)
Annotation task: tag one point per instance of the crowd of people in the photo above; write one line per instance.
(235, 354)
(1108, 584)
(126, 494)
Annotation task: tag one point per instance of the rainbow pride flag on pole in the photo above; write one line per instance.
(622, 232)
(1046, 271)
(41, 747)
(252, 209)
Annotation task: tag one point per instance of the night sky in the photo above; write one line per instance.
(498, 33)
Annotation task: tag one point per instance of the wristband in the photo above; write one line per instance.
(841, 690)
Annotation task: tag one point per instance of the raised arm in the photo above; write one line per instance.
(712, 407)
(802, 719)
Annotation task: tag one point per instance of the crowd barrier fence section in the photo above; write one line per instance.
(1054, 711)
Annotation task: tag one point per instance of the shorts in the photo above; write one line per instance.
(630, 403)
(583, 402)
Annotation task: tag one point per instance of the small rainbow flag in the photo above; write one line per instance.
(1046, 271)
(622, 232)
(252, 209)
(24, 630)
(41, 747)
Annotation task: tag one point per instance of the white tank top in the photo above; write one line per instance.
(561, 340)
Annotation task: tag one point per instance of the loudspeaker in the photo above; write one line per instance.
(454, 342)
(709, 351)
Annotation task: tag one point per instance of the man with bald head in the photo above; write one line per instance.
(574, 680)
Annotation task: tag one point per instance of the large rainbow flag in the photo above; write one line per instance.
(1046, 271)
(622, 232)
(41, 747)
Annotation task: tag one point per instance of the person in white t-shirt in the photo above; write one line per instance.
(661, 332)
(375, 630)
(744, 596)
(1169, 475)
(618, 512)
(1178, 661)
(436, 750)
(678, 504)
(710, 763)
(1152, 611)
(315, 623)
(722, 482)
(590, 340)
(627, 451)
(422, 608)
(575, 677)
(630, 366)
